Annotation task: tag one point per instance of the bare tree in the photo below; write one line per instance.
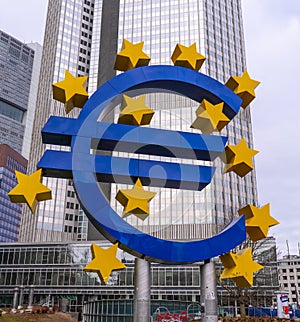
(265, 280)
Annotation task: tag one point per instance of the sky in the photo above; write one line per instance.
(272, 36)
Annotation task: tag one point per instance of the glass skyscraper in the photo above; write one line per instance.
(216, 28)
(73, 41)
(10, 213)
(16, 62)
(67, 45)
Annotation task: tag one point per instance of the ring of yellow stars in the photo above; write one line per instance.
(258, 221)
(131, 56)
(135, 200)
(238, 158)
(104, 262)
(135, 112)
(244, 87)
(210, 117)
(71, 91)
(29, 190)
(240, 267)
(187, 57)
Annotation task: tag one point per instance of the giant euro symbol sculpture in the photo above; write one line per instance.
(89, 132)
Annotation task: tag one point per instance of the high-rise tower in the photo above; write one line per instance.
(67, 45)
(73, 41)
(216, 28)
(16, 61)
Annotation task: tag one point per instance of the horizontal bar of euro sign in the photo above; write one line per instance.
(135, 139)
(126, 170)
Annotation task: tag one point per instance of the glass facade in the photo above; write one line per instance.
(16, 61)
(55, 265)
(67, 45)
(216, 28)
(55, 271)
(11, 131)
(10, 213)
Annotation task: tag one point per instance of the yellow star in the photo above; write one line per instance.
(29, 190)
(238, 158)
(104, 262)
(258, 221)
(240, 267)
(131, 56)
(187, 57)
(135, 112)
(135, 200)
(244, 87)
(210, 117)
(71, 91)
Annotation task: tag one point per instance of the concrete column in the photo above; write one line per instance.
(21, 298)
(209, 292)
(63, 305)
(142, 286)
(109, 40)
(31, 294)
(235, 307)
(15, 300)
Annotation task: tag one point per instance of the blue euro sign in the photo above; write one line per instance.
(89, 133)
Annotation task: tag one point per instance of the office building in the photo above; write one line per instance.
(16, 61)
(289, 277)
(67, 45)
(18, 66)
(31, 107)
(10, 213)
(216, 28)
(55, 272)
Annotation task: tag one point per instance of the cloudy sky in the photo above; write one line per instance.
(272, 33)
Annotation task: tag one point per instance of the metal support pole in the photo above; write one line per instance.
(31, 294)
(209, 292)
(142, 285)
(21, 298)
(15, 300)
(235, 308)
